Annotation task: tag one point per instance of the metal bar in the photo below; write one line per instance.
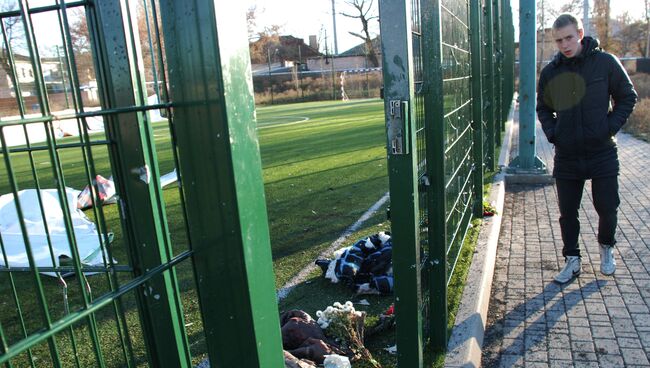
(435, 137)
(30, 257)
(97, 304)
(103, 112)
(490, 164)
(214, 125)
(527, 159)
(91, 173)
(67, 269)
(398, 74)
(58, 174)
(498, 76)
(508, 57)
(59, 146)
(42, 9)
(14, 293)
(477, 105)
(146, 233)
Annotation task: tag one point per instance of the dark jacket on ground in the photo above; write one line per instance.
(573, 105)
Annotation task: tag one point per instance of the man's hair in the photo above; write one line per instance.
(567, 19)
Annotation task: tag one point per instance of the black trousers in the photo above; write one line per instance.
(606, 200)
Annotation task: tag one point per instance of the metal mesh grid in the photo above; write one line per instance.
(54, 58)
(457, 119)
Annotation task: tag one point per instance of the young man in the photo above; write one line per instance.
(574, 104)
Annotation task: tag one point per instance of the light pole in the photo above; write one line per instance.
(61, 68)
(268, 53)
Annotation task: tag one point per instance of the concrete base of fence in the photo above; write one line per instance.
(529, 179)
(464, 347)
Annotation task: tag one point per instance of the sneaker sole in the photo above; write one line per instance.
(575, 274)
(607, 274)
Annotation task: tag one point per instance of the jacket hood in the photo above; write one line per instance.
(590, 46)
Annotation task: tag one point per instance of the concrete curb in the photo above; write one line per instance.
(464, 347)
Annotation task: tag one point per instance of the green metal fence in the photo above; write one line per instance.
(147, 286)
(444, 93)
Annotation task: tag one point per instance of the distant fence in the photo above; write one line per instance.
(300, 86)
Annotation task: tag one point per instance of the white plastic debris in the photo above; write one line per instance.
(392, 350)
(363, 302)
(336, 361)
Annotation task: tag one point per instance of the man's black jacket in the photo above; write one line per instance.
(573, 105)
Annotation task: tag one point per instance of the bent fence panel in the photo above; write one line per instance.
(109, 96)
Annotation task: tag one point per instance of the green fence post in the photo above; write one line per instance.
(398, 72)
(527, 161)
(477, 104)
(508, 56)
(434, 112)
(138, 186)
(490, 105)
(220, 167)
(498, 71)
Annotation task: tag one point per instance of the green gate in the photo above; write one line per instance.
(169, 82)
(443, 97)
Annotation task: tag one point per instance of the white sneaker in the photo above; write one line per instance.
(607, 262)
(572, 268)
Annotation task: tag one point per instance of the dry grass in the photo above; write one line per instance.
(639, 122)
(641, 82)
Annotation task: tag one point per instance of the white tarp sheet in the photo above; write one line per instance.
(85, 232)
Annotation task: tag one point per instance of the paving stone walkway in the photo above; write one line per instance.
(594, 321)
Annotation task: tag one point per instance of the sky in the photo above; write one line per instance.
(302, 18)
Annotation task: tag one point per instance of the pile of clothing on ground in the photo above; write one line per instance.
(366, 266)
(335, 340)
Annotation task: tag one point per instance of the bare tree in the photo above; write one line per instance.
(251, 21)
(630, 39)
(365, 12)
(601, 22)
(15, 41)
(647, 22)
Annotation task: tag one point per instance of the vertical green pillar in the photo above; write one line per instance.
(527, 160)
(134, 162)
(435, 137)
(220, 167)
(508, 57)
(490, 105)
(477, 103)
(398, 72)
(498, 70)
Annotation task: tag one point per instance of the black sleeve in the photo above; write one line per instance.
(545, 112)
(623, 94)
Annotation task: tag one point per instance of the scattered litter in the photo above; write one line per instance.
(314, 212)
(366, 265)
(392, 350)
(44, 220)
(345, 325)
(189, 324)
(390, 311)
(106, 193)
(168, 178)
(363, 302)
(336, 361)
(303, 338)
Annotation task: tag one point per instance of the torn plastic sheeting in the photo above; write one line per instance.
(86, 235)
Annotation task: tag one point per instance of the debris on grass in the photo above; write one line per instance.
(363, 302)
(392, 350)
(366, 266)
(488, 209)
(345, 325)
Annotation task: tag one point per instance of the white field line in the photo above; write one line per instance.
(273, 125)
(302, 275)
